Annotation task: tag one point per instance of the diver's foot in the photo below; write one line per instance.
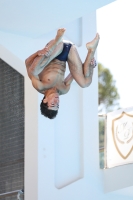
(93, 44)
(60, 34)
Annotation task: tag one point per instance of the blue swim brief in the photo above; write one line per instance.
(64, 54)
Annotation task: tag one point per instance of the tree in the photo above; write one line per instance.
(108, 101)
(108, 92)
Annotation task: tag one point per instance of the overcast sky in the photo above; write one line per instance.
(115, 50)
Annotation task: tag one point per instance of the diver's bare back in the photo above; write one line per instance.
(53, 75)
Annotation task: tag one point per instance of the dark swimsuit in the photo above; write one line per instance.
(64, 54)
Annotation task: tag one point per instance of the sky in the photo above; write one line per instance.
(115, 49)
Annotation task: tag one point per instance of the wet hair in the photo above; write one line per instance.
(51, 114)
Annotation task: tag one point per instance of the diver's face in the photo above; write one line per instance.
(52, 101)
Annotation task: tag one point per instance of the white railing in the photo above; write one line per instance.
(16, 192)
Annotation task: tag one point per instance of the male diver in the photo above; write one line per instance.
(46, 69)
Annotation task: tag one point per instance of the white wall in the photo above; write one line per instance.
(35, 18)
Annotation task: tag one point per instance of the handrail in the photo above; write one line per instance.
(17, 192)
(102, 115)
(101, 148)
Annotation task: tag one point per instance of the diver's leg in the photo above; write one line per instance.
(44, 56)
(82, 73)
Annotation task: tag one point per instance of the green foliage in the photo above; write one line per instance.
(101, 132)
(108, 93)
(101, 140)
(108, 101)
